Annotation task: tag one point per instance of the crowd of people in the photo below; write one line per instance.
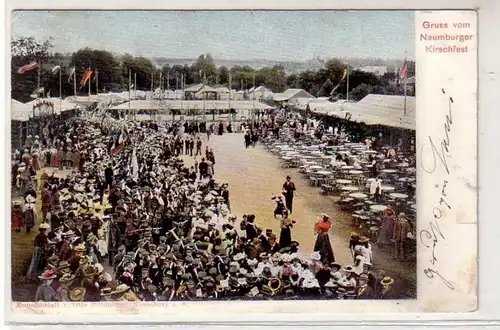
(134, 221)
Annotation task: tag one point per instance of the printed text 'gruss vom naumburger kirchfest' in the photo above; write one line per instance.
(442, 37)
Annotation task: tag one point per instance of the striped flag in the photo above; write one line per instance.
(71, 74)
(404, 70)
(56, 69)
(27, 67)
(85, 78)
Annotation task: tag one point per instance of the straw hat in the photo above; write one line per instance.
(67, 278)
(90, 271)
(80, 248)
(77, 294)
(44, 226)
(324, 215)
(387, 280)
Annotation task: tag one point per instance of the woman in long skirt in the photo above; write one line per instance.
(286, 232)
(387, 228)
(38, 260)
(323, 245)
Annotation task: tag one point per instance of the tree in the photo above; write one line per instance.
(360, 91)
(223, 73)
(31, 49)
(142, 70)
(110, 77)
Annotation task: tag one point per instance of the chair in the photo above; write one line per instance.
(373, 231)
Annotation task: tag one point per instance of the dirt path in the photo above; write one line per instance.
(255, 175)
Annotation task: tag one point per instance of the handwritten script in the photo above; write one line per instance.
(432, 235)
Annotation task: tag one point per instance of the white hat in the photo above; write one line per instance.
(316, 256)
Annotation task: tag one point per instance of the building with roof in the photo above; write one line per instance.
(200, 92)
(291, 94)
(223, 93)
(260, 93)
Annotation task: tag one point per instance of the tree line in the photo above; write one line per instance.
(113, 74)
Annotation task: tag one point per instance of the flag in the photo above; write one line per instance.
(56, 69)
(95, 74)
(71, 74)
(85, 78)
(344, 75)
(131, 86)
(27, 67)
(341, 80)
(135, 165)
(404, 70)
(118, 144)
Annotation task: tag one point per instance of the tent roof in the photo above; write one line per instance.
(19, 111)
(291, 93)
(199, 88)
(190, 104)
(375, 109)
(59, 105)
(222, 90)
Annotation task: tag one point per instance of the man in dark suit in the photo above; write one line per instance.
(289, 192)
(108, 175)
(364, 291)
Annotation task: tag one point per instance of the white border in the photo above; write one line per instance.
(488, 80)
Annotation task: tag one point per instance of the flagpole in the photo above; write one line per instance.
(347, 91)
(182, 96)
(406, 75)
(74, 81)
(38, 81)
(90, 83)
(96, 82)
(152, 81)
(230, 83)
(204, 96)
(253, 97)
(168, 80)
(60, 88)
(135, 85)
(129, 91)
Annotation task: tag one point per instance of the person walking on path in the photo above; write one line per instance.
(289, 192)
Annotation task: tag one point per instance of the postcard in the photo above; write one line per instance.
(181, 164)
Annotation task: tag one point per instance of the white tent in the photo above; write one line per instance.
(191, 104)
(20, 111)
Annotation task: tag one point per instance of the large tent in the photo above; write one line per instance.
(208, 105)
(290, 94)
(19, 111)
(375, 109)
(60, 106)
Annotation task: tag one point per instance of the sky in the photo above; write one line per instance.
(229, 35)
